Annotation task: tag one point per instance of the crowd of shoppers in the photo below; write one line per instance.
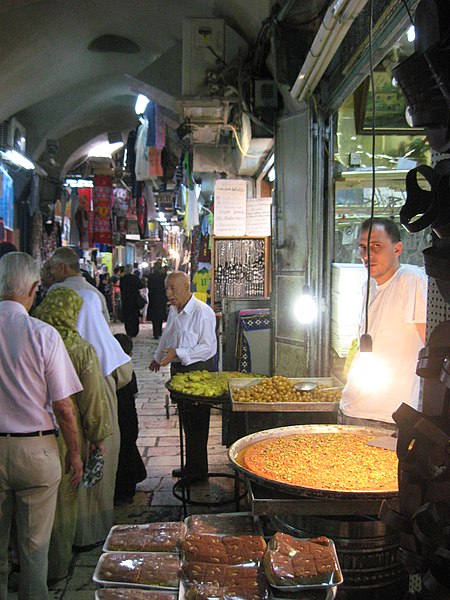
(68, 403)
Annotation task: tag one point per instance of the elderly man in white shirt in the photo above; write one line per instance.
(37, 381)
(188, 343)
(63, 269)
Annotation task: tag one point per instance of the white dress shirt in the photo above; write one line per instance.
(36, 371)
(191, 332)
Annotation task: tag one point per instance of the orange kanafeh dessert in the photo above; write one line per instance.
(326, 461)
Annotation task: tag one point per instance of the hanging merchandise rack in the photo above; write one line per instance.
(241, 268)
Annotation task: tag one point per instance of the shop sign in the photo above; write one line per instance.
(230, 198)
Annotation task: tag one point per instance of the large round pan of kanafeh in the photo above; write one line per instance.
(319, 461)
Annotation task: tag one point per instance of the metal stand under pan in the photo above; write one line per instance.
(366, 548)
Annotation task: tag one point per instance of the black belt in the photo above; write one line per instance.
(31, 434)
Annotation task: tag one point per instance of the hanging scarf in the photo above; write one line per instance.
(60, 308)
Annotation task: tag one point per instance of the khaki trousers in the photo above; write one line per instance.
(30, 472)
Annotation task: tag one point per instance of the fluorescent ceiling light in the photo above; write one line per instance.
(337, 21)
(104, 149)
(141, 104)
(18, 159)
(79, 183)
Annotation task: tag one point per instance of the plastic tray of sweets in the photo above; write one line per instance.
(239, 523)
(134, 594)
(132, 569)
(329, 581)
(149, 537)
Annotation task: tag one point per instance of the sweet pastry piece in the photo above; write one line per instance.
(152, 537)
(156, 569)
(205, 581)
(326, 461)
(228, 550)
(133, 594)
(290, 562)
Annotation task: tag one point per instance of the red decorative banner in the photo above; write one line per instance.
(85, 198)
(154, 160)
(102, 201)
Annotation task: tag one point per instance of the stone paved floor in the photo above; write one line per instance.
(159, 446)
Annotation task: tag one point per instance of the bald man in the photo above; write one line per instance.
(188, 343)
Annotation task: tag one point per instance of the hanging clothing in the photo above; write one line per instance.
(102, 206)
(192, 219)
(150, 201)
(202, 283)
(6, 198)
(142, 164)
(51, 238)
(131, 158)
(36, 238)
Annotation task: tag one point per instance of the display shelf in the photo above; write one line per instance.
(241, 268)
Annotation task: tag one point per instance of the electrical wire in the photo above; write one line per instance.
(372, 200)
(214, 53)
(408, 11)
(241, 149)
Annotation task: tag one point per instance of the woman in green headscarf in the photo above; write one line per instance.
(60, 309)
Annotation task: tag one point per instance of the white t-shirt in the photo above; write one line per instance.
(395, 307)
(192, 332)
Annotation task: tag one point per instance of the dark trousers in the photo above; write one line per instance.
(195, 421)
(157, 328)
(131, 325)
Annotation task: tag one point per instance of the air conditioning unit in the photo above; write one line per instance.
(13, 135)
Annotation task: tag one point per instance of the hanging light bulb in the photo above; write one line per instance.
(368, 371)
(305, 308)
(411, 34)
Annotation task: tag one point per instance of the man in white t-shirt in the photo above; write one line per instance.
(396, 323)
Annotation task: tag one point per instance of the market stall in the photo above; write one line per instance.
(327, 480)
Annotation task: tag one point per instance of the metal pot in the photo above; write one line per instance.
(235, 452)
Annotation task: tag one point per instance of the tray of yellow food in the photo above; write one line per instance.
(202, 384)
(279, 394)
(319, 461)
